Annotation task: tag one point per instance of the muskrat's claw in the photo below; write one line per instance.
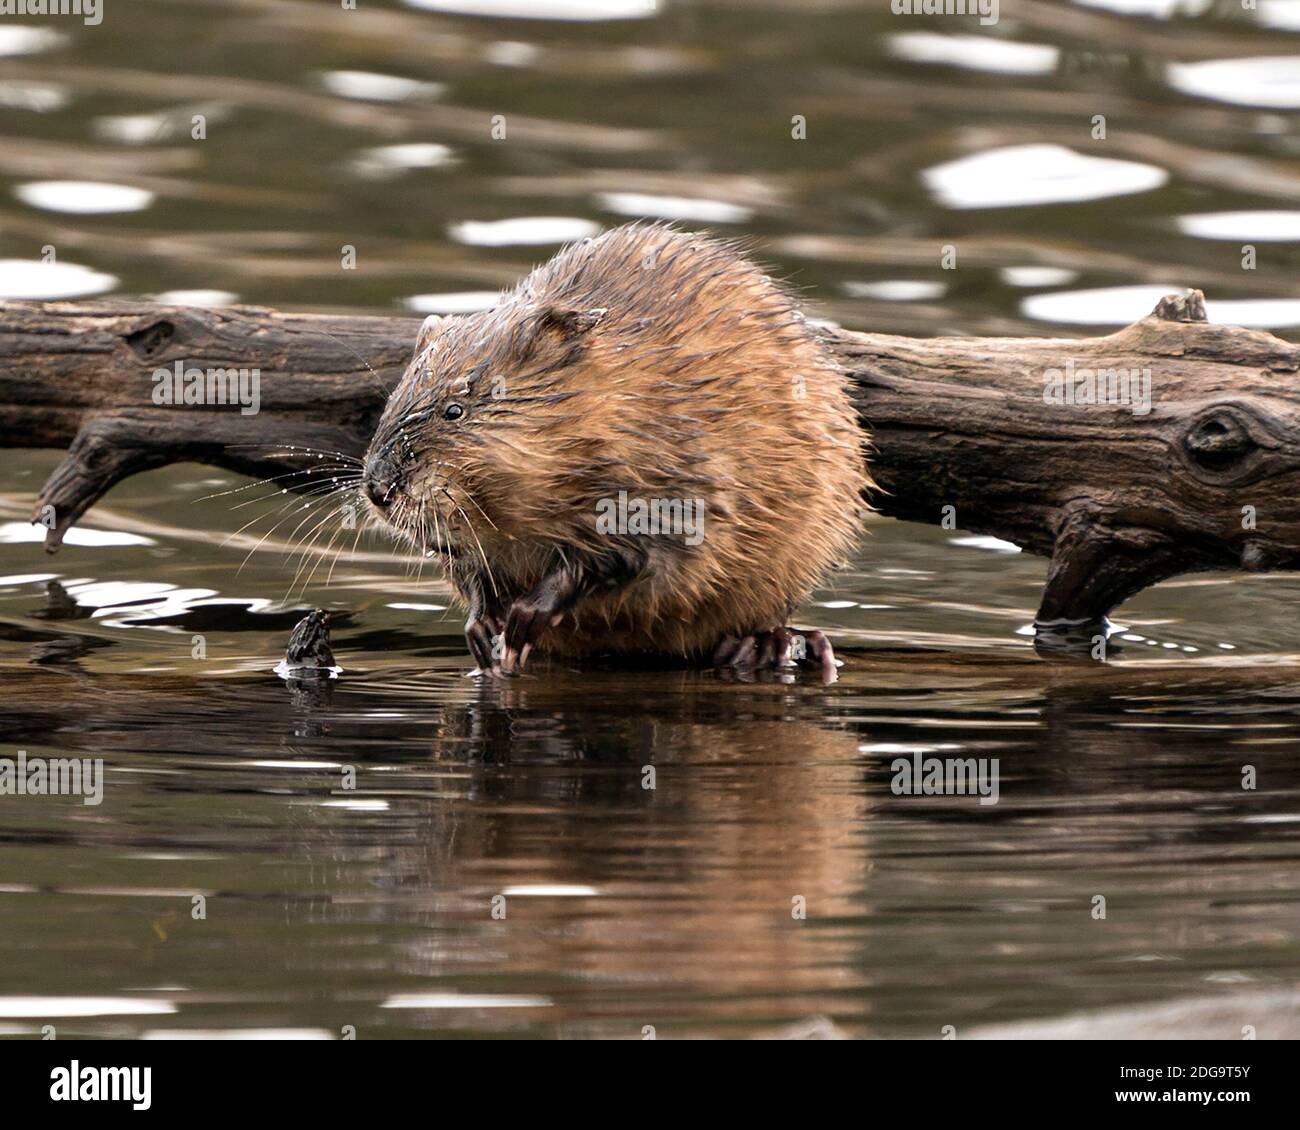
(525, 624)
(481, 634)
(531, 615)
(778, 649)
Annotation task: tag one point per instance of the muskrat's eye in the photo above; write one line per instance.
(454, 412)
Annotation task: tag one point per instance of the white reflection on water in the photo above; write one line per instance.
(464, 1000)
(83, 197)
(146, 129)
(522, 231)
(984, 541)
(140, 601)
(366, 86)
(510, 53)
(197, 297)
(1037, 276)
(1256, 313)
(896, 290)
(237, 1034)
(21, 40)
(1036, 174)
(1272, 80)
(26, 278)
(40, 97)
(1119, 305)
(455, 302)
(1283, 14)
(673, 207)
(551, 890)
(22, 533)
(390, 160)
(974, 52)
(1111, 305)
(41, 1007)
(1262, 227)
(543, 9)
(1160, 9)
(133, 129)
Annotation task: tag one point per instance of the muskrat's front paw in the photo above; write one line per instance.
(778, 649)
(485, 643)
(525, 623)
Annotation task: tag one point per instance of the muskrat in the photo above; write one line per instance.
(643, 448)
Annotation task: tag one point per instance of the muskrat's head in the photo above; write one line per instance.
(465, 454)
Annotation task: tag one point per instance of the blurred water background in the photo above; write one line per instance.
(629, 907)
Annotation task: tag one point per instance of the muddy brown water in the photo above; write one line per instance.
(771, 876)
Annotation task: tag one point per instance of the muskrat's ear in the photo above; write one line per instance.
(556, 325)
(572, 324)
(428, 331)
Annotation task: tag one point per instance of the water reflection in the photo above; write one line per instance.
(975, 53)
(1258, 227)
(522, 230)
(24, 40)
(1272, 81)
(1036, 174)
(83, 197)
(544, 9)
(681, 905)
(20, 278)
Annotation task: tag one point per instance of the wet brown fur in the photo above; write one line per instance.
(652, 361)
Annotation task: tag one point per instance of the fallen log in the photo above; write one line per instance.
(1169, 447)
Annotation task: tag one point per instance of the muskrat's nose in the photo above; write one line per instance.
(380, 482)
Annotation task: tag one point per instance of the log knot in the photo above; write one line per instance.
(1219, 440)
(150, 341)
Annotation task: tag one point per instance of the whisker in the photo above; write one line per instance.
(270, 479)
(307, 490)
(311, 537)
(379, 382)
(292, 451)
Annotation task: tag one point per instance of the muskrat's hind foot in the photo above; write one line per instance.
(778, 649)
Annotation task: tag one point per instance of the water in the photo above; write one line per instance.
(150, 642)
